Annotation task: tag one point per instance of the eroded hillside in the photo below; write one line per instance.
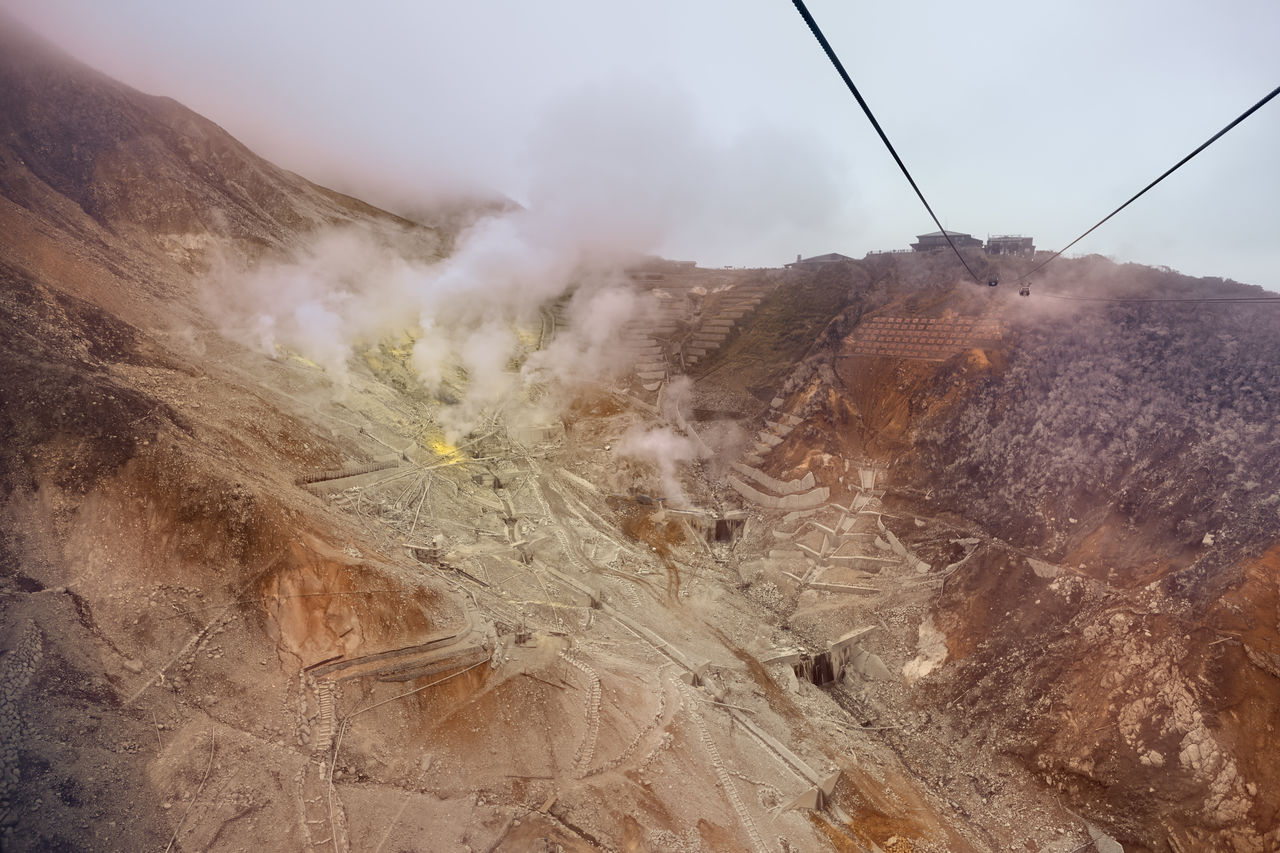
(1114, 466)
(657, 558)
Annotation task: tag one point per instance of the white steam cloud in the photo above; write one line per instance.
(625, 163)
(664, 449)
(615, 173)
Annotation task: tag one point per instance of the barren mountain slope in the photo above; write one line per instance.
(1116, 467)
(148, 491)
(764, 585)
(245, 607)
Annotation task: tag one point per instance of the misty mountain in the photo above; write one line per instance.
(493, 577)
(1114, 398)
(88, 155)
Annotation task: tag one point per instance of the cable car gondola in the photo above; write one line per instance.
(993, 281)
(1025, 290)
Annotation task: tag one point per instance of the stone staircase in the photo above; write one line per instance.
(834, 548)
(648, 355)
(718, 319)
(763, 490)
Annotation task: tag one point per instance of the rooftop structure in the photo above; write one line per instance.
(1010, 244)
(819, 261)
(938, 240)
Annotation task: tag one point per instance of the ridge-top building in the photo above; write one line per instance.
(938, 240)
(1010, 244)
(819, 261)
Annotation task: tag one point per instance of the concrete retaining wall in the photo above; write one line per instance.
(780, 487)
(806, 500)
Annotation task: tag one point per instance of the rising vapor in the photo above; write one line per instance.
(614, 173)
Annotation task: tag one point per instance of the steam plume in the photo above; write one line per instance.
(615, 173)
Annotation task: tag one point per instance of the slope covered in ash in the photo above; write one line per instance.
(249, 602)
(244, 606)
(138, 163)
(147, 490)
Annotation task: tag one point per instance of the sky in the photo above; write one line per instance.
(718, 132)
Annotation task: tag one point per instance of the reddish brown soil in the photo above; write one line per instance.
(1245, 670)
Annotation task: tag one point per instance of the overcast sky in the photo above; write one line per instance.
(726, 118)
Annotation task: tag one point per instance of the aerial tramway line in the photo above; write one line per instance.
(1024, 288)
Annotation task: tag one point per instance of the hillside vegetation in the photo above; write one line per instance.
(1160, 419)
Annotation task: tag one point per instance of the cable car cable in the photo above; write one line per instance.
(1190, 299)
(853, 89)
(844, 75)
(1170, 171)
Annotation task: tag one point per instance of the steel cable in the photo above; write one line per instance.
(844, 75)
(1253, 109)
